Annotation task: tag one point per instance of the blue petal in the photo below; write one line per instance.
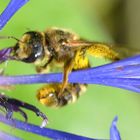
(122, 74)
(4, 54)
(10, 10)
(45, 132)
(114, 133)
(6, 136)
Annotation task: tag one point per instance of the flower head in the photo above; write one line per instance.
(122, 74)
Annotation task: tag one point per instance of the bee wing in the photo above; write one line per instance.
(108, 51)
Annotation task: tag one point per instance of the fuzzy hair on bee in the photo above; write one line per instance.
(55, 49)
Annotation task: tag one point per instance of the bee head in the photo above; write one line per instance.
(30, 47)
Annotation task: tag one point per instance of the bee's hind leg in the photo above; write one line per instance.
(67, 69)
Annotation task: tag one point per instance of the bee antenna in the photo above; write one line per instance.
(9, 37)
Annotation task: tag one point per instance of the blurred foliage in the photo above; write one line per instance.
(92, 114)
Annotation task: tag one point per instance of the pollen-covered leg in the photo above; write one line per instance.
(103, 50)
(13, 105)
(67, 69)
(49, 94)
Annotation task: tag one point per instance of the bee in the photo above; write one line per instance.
(56, 49)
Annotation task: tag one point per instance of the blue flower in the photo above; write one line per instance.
(10, 10)
(122, 74)
(4, 54)
(114, 133)
(45, 132)
(124, 71)
(56, 134)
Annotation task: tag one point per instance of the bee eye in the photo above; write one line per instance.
(37, 51)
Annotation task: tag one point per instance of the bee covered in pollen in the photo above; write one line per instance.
(59, 49)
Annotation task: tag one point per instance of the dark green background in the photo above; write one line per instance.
(92, 114)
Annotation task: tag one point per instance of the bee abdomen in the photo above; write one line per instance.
(71, 93)
(48, 94)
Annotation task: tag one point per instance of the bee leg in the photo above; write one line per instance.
(19, 103)
(7, 106)
(67, 69)
(40, 69)
(10, 109)
(23, 114)
(13, 105)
